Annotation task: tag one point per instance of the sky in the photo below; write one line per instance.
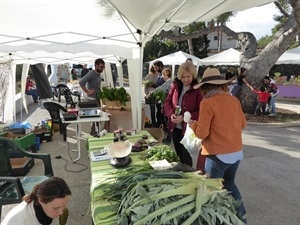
(258, 20)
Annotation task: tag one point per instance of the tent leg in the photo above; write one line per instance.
(21, 107)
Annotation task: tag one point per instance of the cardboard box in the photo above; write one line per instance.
(43, 134)
(21, 166)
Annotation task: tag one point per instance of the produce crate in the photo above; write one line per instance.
(26, 141)
(21, 166)
(43, 134)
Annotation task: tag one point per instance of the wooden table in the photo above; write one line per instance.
(102, 210)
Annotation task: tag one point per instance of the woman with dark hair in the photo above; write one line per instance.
(182, 95)
(30, 89)
(273, 90)
(74, 74)
(46, 202)
(241, 78)
(221, 135)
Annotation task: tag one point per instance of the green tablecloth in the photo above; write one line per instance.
(102, 210)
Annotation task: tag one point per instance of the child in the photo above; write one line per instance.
(263, 96)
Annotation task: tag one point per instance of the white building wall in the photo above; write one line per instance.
(226, 44)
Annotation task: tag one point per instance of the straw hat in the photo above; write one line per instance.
(212, 76)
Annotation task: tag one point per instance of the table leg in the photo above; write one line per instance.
(78, 133)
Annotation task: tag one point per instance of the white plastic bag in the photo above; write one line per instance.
(190, 141)
(192, 144)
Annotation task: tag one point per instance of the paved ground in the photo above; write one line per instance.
(268, 177)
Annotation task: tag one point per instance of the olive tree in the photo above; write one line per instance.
(257, 65)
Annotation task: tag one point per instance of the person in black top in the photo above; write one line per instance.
(84, 71)
(229, 74)
(241, 78)
(159, 66)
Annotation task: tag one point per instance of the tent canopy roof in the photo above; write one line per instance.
(177, 58)
(77, 26)
(291, 56)
(168, 14)
(227, 57)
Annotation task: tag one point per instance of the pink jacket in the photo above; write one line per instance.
(190, 102)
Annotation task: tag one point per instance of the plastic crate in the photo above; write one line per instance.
(24, 141)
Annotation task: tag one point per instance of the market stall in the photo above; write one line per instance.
(102, 210)
(138, 194)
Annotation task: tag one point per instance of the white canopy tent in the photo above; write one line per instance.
(291, 56)
(227, 57)
(78, 26)
(177, 58)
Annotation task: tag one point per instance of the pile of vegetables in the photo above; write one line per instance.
(114, 94)
(146, 196)
(160, 152)
(141, 145)
(159, 95)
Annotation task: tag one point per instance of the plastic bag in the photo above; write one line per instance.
(18, 127)
(192, 144)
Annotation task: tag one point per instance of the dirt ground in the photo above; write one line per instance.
(283, 115)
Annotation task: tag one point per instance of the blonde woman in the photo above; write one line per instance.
(182, 94)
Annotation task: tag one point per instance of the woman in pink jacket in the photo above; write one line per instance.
(182, 94)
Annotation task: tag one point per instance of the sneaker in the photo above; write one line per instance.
(272, 114)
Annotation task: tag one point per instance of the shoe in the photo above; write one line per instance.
(35, 101)
(272, 114)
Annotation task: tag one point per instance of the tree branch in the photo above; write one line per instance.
(277, 4)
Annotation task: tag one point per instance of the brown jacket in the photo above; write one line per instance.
(220, 124)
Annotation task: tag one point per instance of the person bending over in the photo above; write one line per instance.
(46, 202)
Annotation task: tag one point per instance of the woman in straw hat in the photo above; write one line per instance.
(220, 124)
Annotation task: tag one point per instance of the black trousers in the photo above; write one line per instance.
(181, 151)
(152, 111)
(160, 118)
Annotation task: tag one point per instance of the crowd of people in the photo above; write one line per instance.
(212, 104)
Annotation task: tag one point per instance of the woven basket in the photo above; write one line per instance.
(157, 133)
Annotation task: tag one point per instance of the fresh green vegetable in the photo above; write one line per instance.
(148, 83)
(178, 201)
(160, 95)
(114, 94)
(160, 152)
(141, 195)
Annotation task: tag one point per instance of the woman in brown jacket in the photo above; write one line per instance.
(220, 124)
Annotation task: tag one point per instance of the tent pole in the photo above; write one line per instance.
(21, 108)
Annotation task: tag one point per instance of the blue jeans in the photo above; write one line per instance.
(33, 93)
(218, 169)
(271, 104)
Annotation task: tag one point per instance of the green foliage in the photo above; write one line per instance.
(114, 94)
(281, 19)
(160, 46)
(160, 95)
(160, 152)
